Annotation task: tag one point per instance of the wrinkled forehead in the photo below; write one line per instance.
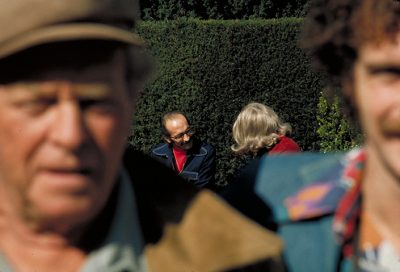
(72, 61)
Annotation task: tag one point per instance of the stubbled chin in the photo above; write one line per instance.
(387, 154)
(65, 183)
(62, 197)
(187, 146)
(62, 212)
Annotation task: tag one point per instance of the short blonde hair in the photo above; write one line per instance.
(256, 127)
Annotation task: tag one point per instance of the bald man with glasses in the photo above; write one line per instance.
(187, 155)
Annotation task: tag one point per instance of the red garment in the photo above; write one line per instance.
(180, 158)
(285, 145)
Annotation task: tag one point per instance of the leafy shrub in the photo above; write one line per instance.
(335, 131)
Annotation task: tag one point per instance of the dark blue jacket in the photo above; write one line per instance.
(199, 167)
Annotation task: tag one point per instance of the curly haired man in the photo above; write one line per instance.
(341, 212)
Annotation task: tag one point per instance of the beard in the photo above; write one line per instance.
(186, 145)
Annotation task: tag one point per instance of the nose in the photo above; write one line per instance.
(186, 137)
(68, 129)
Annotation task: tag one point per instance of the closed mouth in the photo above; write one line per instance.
(392, 134)
(85, 171)
(391, 129)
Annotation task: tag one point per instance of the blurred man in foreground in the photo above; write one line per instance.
(70, 74)
(341, 212)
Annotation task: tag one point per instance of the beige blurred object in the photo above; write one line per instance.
(26, 23)
(213, 237)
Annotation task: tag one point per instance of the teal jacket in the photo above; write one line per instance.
(297, 195)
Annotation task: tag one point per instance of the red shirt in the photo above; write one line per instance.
(285, 145)
(180, 158)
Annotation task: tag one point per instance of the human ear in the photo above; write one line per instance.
(167, 140)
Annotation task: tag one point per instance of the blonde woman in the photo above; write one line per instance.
(258, 130)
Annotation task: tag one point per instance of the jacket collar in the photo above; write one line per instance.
(349, 207)
(124, 230)
(331, 194)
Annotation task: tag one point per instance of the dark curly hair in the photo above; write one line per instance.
(335, 29)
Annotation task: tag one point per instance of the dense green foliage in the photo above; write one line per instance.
(222, 9)
(335, 131)
(211, 69)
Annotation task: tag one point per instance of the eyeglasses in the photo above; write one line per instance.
(189, 132)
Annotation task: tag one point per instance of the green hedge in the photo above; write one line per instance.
(222, 9)
(211, 69)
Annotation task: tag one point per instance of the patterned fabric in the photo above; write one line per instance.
(343, 198)
(314, 200)
(322, 197)
(374, 253)
(349, 206)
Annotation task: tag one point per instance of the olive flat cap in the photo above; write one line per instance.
(28, 23)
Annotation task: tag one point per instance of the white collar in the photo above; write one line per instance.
(123, 248)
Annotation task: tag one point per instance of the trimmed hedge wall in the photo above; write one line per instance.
(211, 69)
(222, 9)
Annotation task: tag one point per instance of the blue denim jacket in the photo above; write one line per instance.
(199, 167)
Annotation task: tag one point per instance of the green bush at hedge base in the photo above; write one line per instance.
(211, 69)
(335, 131)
